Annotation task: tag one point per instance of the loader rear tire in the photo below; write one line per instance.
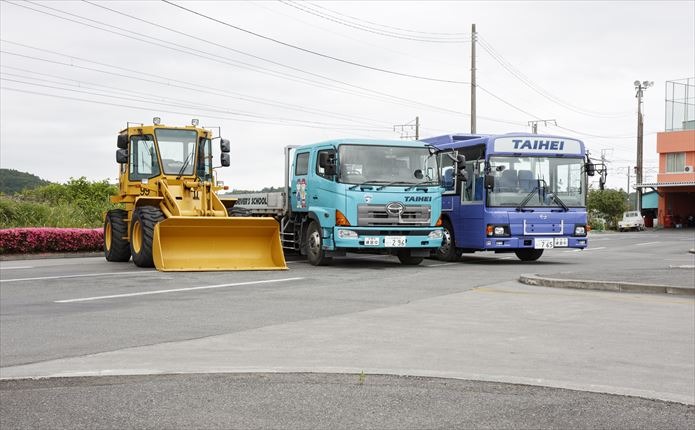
(314, 246)
(116, 248)
(142, 234)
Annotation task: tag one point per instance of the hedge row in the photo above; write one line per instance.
(32, 240)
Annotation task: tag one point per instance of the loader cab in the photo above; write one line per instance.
(150, 152)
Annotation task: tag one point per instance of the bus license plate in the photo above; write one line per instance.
(394, 241)
(371, 241)
(543, 244)
(560, 242)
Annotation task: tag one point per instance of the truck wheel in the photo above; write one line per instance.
(407, 259)
(448, 252)
(528, 254)
(314, 246)
(116, 248)
(142, 234)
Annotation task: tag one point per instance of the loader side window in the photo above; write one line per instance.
(143, 162)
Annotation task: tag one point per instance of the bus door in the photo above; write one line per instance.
(471, 222)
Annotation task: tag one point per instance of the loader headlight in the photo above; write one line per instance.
(347, 234)
(436, 234)
(195, 122)
(156, 120)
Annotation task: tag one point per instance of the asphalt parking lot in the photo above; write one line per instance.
(364, 316)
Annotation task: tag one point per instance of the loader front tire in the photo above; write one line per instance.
(314, 246)
(116, 248)
(142, 234)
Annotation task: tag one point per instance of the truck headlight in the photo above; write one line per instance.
(435, 234)
(347, 234)
(580, 230)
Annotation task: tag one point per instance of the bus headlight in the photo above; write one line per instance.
(435, 234)
(580, 230)
(497, 230)
(347, 234)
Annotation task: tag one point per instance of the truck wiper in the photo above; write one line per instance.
(419, 184)
(365, 183)
(388, 184)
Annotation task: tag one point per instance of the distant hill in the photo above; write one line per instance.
(13, 181)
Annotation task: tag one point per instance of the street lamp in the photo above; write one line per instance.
(639, 87)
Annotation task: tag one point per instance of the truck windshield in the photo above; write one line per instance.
(176, 148)
(554, 181)
(386, 165)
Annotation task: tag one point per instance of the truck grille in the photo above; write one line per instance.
(374, 215)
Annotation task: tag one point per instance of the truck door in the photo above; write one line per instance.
(298, 181)
(323, 189)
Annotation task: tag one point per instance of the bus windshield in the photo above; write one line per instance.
(387, 165)
(537, 181)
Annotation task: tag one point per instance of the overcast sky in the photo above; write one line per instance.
(73, 74)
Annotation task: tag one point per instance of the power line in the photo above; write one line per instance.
(307, 9)
(526, 81)
(309, 51)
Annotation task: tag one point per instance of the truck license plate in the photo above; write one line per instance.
(371, 241)
(560, 242)
(543, 244)
(394, 241)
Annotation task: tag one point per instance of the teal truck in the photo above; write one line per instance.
(356, 195)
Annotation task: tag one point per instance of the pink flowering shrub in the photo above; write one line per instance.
(29, 240)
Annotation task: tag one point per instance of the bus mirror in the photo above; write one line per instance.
(121, 156)
(224, 159)
(489, 182)
(590, 168)
(224, 145)
(122, 142)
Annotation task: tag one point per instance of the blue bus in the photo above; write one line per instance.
(520, 193)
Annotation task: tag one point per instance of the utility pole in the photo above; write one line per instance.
(473, 110)
(534, 124)
(409, 130)
(640, 87)
(628, 187)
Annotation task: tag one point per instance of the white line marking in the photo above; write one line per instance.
(16, 267)
(572, 250)
(506, 258)
(85, 275)
(145, 293)
(594, 249)
(440, 264)
(645, 243)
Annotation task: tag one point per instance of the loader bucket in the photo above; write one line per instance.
(217, 243)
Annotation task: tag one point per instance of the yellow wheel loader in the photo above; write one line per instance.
(173, 219)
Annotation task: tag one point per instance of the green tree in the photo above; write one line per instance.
(13, 181)
(608, 203)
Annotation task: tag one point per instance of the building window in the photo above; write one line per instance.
(675, 162)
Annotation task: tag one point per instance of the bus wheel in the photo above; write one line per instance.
(528, 254)
(448, 252)
(406, 258)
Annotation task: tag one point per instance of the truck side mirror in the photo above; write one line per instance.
(489, 182)
(225, 147)
(225, 159)
(122, 141)
(121, 155)
(327, 163)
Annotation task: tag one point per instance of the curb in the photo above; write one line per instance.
(621, 287)
(43, 256)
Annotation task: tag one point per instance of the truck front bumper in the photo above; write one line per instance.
(500, 243)
(365, 238)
